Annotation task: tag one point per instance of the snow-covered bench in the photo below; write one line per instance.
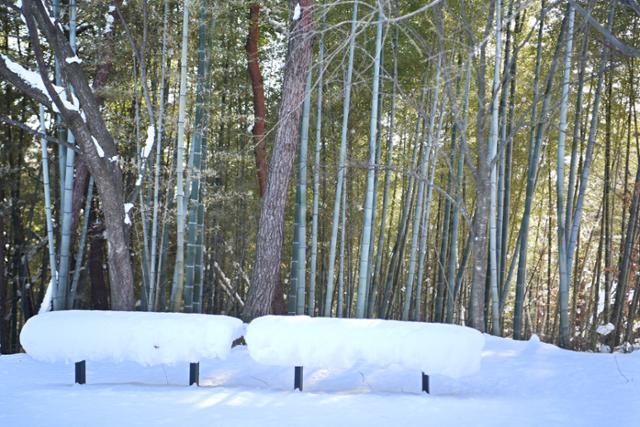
(300, 341)
(146, 338)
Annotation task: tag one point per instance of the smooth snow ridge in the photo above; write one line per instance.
(145, 338)
(323, 342)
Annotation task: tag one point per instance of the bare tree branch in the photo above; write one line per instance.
(34, 132)
(633, 4)
(608, 37)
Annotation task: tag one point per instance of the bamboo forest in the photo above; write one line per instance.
(474, 162)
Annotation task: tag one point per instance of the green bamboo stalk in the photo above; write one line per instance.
(194, 239)
(301, 228)
(363, 277)
(47, 207)
(80, 255)
(178, 284)
(316, 178)
(153, 282)
(60, 299)
(341, 162)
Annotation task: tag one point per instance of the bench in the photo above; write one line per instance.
(299, 341)
(145, 338)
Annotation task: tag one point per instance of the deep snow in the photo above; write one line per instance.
(321, 342)
(146, 338)
(519, 384)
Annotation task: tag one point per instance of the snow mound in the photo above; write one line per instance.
(318, 342)
(145, 338)
(605, 330)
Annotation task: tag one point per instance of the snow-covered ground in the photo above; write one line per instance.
(519, 384)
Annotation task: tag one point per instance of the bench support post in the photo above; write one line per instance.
(194, 373)
(81, 372)
(297, 378)
(425, 383)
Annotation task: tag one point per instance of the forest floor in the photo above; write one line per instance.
(519, 384)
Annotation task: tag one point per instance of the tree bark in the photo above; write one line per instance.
(257, 85)
(266, 270)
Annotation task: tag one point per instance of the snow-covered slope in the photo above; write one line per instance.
(519, 384)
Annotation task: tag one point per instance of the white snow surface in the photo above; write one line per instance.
(108, 17)
(605, 329)
(127, 208)
(145, 338)
(48, 298)
(297, 12)
(520, 383)
(73, 59)
(98, 147)
(151, 133)
(323, 342)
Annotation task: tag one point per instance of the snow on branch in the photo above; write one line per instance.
(31, 79)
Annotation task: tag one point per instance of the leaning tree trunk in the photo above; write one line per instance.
(266, 270)
(97, 146)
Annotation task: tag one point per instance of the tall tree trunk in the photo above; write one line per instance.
(363, 275)
(535, 141)
(178, 285)
(62, 290)
(492, 159)
(154, 259)
(195, 239)
(301, 201)
(311, 308)
(341, 163)
(571, 229)
(562, 236)
(266, 269)
(483, 188)
(381, 246)
(257, 85)
(423, 176)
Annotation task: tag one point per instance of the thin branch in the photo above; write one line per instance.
(609, 38)
(34, 132)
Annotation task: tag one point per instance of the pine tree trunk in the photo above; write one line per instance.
(266, 269)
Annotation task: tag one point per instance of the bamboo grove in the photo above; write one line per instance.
(474, 162)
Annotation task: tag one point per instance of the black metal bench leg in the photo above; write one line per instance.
(425, 383)
(297, 378)
(194, 373)
(81, 372)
